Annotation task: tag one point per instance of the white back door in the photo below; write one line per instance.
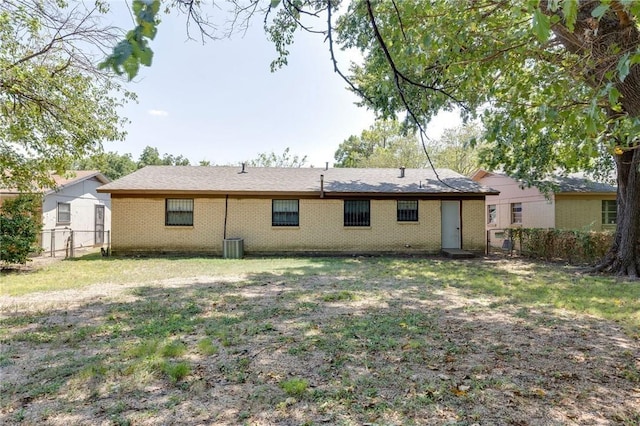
(450, 212)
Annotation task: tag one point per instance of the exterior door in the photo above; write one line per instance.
(99, 229)
(450, 212)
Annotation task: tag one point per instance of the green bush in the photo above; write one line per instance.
(573, 246)
(19, 228)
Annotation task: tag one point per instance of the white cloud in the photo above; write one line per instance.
(158, 112)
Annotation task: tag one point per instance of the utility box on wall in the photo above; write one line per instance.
(233, 248)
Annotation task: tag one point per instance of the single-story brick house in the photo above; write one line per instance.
(341, 210)
(575, 203)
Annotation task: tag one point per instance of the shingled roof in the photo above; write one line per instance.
(261, 180)
(70, 178)
(573, 184)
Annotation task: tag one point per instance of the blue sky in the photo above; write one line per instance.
(220, 102)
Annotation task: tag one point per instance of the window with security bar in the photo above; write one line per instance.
(179, 212)
(357, 213)
(285, 213)
(407, 210)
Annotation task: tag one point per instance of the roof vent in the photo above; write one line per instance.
(402, 171)
(326, 165)
(321, 186)
(243, 168)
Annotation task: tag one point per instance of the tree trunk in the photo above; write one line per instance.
(602, 43)
(623, 258)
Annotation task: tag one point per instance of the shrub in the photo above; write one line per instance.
(19, 228)
(571, 245)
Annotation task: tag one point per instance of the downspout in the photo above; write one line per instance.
(226, 209)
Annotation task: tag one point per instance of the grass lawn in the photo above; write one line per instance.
(295, 341)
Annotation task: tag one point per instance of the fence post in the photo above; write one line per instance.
(71, 244)
(487, 248)
(53, 243)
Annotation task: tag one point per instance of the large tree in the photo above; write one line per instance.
(386, 143)
(555, 82)
(457, 148)
(150, 156)
(55, 106)
(389, 143)
(111, 164)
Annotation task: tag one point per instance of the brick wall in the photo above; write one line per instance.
(138, 225)
(584, 212)
(473, 225)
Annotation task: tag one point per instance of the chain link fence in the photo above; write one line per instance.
(64, 242)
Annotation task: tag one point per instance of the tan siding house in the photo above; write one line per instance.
(575, 203)
(194, 209)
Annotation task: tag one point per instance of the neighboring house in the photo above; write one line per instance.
(74, 204)
(575, 203)
(193, 209)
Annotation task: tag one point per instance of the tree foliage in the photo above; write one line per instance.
(115, 166)
(272, 159)
(19, 228)
(111, 164)
(556, 84)
(458, 149)
(150, 156)
(387, 143)
(54, 106)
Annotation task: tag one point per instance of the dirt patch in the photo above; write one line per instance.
(378, 351)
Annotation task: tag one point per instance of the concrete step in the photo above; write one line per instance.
(457, 254)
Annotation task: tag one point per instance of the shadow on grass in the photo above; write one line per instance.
(375, 340)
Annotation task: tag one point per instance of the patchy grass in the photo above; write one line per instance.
(318, 341)
(95, 269)
(294, 387)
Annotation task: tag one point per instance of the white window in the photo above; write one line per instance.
(492, 214)
(516, 212)
(609, 212)
(64, 213)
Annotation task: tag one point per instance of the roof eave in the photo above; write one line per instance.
(102, 178)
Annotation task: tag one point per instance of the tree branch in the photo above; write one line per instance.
(335, 62)
(397, 76)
